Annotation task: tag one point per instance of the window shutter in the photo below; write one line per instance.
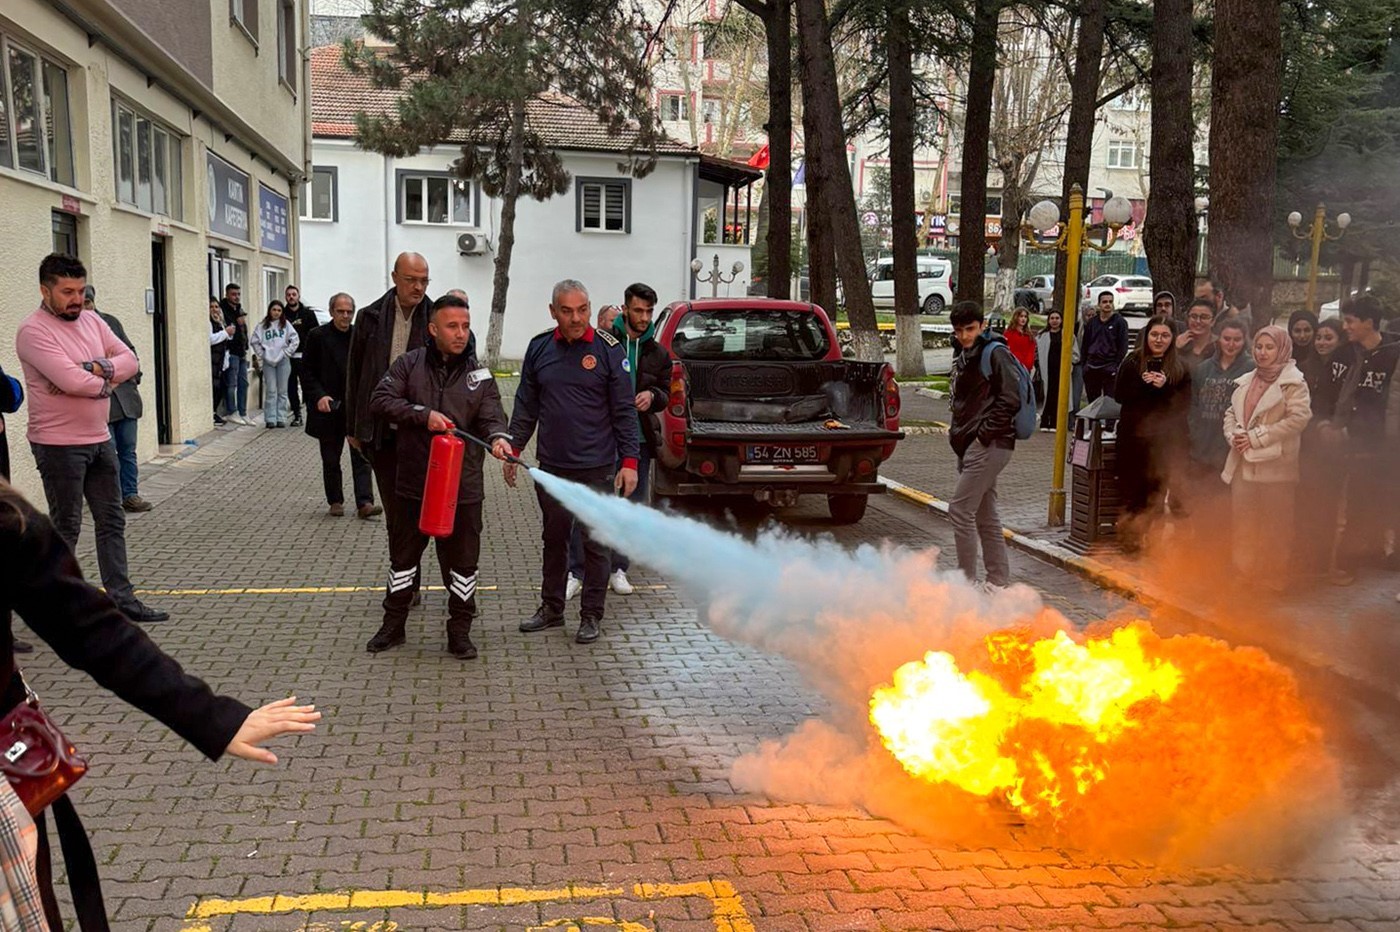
(616, 207)
(592, 207)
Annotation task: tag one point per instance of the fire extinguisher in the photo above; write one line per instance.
(440, 486)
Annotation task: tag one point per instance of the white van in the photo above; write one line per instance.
(935, 284)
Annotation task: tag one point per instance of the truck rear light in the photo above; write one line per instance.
(707, 468)
(892, 401)
(865, 467)
(676, 402)
(678, 440)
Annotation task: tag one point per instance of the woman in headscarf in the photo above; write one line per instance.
(1264, 424)
(1047, 349)
(1302, 325)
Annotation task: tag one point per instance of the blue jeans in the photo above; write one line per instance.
(275, 376)
(124, 437)
(236, 386)
(619, 560)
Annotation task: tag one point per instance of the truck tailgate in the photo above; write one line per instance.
(804, 432)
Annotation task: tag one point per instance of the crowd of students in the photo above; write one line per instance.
(1280, 439)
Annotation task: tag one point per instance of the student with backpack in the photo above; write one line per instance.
(993, 404)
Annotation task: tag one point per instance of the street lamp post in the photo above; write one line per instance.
(1073, 239)
(716, 277)
(1202, 209)
(1317, 233)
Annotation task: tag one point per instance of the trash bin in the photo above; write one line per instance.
(1094, 503)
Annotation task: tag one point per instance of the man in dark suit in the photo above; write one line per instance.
(126, 411)
(324, 356)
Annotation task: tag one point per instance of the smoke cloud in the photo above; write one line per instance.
(1241, 774)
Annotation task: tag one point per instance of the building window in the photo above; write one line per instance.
(35, 128)
(675, 107)
(274, 285)
(993, 205)
(604, 206)
(244, 13)
(65, 233)
(436, 197)
(148, 161)
(1124, 153)
(225, 271)
(319, 199)
(287, 43)
(710, 110)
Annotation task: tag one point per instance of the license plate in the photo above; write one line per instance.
(787, 455)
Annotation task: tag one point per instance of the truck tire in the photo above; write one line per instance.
(847, 509)
(933, 305)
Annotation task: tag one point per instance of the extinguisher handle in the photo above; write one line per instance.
(510, 457)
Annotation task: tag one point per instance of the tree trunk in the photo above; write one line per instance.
(1348, 270)
(1009, 248)
(1246, 85)
(505, 242)
(977, 127)
(1079, 139)
(1170, 231)
(908, 335)
(823, 98)
(821, 248)
(1363, 280)
(778, 187)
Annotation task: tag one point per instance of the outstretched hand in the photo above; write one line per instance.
(271, 721)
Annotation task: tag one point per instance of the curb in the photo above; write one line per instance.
(1145, 594)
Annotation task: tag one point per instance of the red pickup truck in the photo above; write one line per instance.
(762, 404)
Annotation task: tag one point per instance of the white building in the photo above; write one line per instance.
(165, 151)
(608, 230)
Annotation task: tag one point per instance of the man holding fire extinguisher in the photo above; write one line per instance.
(427, 391)
(575, 385)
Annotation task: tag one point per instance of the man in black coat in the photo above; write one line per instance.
(384, 330)
(304, 320)
(428, 391)
(326, 351)
(126, 410)
(236, 375)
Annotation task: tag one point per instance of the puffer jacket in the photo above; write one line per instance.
(422, 381)
(1275, 431)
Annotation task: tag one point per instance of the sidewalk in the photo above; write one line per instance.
(1351, 631)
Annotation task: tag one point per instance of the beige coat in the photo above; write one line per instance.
(1275, 431)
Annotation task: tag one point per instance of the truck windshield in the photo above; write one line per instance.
(750, 334)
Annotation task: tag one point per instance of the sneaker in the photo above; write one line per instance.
(620, 583)
(296, 419)
(589, 630)
(336, 510)
(1343, 578)
(238, 419)
(141, 612)
(386, 637)
(368, 510)
(988, 587)
(219, 422)
(573, 587)
(136, 503)
(542, 619)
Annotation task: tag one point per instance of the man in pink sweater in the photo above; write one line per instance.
(72, 361)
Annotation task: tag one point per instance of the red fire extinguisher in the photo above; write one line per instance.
(440, 486)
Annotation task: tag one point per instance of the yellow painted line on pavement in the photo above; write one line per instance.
(729, 914)
(327, 590)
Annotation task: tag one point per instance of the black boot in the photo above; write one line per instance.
(390, 634)
(589, 630)
(543, 618)
(459, 642)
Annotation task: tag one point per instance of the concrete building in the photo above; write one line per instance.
(166, 151)
(608, 230)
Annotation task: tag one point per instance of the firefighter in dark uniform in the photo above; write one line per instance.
(427, 391)
(576, 388)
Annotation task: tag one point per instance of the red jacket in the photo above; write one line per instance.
(1022, 346)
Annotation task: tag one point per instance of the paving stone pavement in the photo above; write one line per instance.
(545, 785)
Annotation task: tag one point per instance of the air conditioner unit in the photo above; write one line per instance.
(470, 244)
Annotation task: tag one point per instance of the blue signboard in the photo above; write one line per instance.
(272, 220)
(228, 199)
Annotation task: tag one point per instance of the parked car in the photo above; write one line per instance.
(1036, 293)
(1131, 293)
(935, 283)
(762, 405)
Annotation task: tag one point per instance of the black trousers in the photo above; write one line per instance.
(597, 559)
(293, 387)
(334, 479)
(457, 558)
(384, 460)
(1098, 382)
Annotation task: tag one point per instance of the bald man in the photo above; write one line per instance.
(385, 329)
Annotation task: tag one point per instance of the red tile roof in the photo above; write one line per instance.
(337, 94)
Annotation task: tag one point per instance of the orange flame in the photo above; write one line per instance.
(1040, 723)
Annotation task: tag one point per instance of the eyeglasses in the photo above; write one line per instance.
(415, 281)
(1200, 317)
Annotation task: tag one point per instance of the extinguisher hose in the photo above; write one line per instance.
(470, 438)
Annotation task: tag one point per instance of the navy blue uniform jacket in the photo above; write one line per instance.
(579, 395)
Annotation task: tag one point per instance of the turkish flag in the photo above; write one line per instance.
(760, 158)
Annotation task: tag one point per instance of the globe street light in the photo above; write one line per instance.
(1317, 233)
(716, 277)
(1073, 238)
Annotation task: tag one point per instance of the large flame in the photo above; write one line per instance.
(1041, 722)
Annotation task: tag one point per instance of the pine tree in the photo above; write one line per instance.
(474, 72)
